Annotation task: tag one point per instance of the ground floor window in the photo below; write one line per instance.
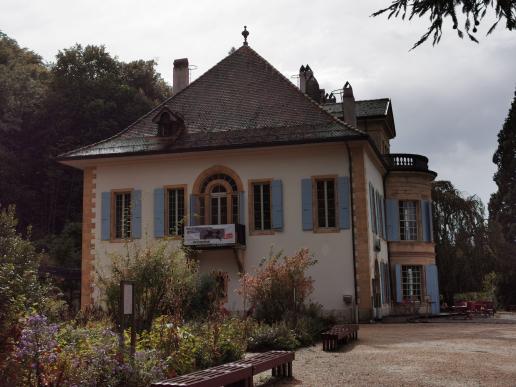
(175, 211)
(122, 212)
(411, 282)
(326, 203)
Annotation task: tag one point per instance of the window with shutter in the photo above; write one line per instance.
(261, 206)
(325, 203)
(121, 214)
(175, 210)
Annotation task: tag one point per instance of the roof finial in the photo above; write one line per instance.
(245, 34)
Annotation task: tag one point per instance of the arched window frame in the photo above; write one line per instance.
(202, 190)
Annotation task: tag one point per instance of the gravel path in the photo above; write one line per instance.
(412, 355)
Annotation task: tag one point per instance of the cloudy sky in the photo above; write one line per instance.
(449, 101)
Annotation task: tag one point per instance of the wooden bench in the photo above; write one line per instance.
(236, 374)
(339, 334)
(280, 362)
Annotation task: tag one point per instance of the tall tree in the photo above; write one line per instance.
(502, 209)
(461, 240)
(89, 95)
(438, 11)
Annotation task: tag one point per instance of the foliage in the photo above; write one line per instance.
(276, 336)
(64, 249)
(165, 281)
(461, 240)
(438, 11)
(280, 287)
(20, 290)
(85, 96)
(502, 210)
(207, 298)
(195, 345)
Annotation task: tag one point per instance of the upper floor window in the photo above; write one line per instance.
(218, 200)
(408, 220)
(411, 282)
(325, 199)
(122, 215)
(261, 201)
(169, 124)
(175, 210)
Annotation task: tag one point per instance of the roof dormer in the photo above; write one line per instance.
(169, 123)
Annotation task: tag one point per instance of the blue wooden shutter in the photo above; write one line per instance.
(432, 287)
(384, 228)
(159, 212)
(194, 210)
(343, 187)
(371, 208)
(306, 203)
(393, 221)
(241, 207)
(136, 214)
(277, 204)
(399, 292)
(105, 216)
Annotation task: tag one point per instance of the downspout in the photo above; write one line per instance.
(353, 233)
(387, 242)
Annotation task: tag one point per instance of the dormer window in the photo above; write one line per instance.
(165, 125)
(169, 124)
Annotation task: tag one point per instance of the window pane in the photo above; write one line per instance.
(262, 206)
(176, 211)
(122, 215)
(257, 206)
(326, 211)
(408, 220)
(411, 282)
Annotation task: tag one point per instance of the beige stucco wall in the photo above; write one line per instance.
(375, 177)
(333, 273)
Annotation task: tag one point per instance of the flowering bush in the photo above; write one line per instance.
(280, 287)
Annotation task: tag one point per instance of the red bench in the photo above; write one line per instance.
(236, 374)
(339, 334)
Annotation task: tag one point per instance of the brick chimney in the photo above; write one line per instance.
(302, 78)
(349, 105)
(181, 75)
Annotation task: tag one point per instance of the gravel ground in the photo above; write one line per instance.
(458, 354)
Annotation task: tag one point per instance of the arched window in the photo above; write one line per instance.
(218, 200)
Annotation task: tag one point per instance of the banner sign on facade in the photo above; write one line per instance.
(210, 235)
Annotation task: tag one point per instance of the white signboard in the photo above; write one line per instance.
(210, 235)
(128, 298)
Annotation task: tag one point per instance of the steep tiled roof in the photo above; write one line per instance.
(241, 101)
(366, 108)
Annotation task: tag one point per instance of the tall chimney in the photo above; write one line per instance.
(349, 105)
(181, 75)
(302, 79)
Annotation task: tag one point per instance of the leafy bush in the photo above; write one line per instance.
(165, 282)
(21, 292)
(196, 345)
(280, 288)
(265, 337)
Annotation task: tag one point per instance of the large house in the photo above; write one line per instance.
(241, 161)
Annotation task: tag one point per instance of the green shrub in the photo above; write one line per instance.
(21, 292)
(277, 336)
(165, 281)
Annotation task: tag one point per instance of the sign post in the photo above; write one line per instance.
(127, 313)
